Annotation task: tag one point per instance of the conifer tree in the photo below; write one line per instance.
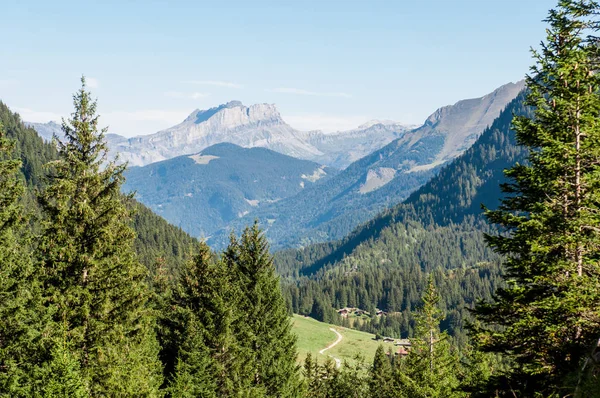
(61, 375)
(381, 381)
(92, 280)
(547, 319)
(21, 312)
(431, 368)
(267, 325)
(206, 328)
(194, 373)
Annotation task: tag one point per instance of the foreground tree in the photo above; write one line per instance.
(20, 303)
(92, 280)
(267, 329)
(381, 378)
(432, 366)
(204, 325)
(547, 319)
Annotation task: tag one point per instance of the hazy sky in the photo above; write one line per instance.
(328, 64)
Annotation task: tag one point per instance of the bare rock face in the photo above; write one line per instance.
(259, 125)
(376, 178)
(462, 123)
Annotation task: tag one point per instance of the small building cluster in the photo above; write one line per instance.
(345, 312)
(403, 345)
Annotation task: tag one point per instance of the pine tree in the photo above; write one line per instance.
(92, 279)
(21, 328)
(61, 375)
(194, 373)
(206, 325)
(547, 319)
(267, 325)
(381, 381)
(431, 368)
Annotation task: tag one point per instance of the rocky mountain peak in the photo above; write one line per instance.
(383, 122)
(233, 114)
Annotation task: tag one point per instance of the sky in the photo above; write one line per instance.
(326, 64)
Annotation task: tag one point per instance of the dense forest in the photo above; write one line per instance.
(101, 298)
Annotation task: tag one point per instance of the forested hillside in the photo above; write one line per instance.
(439, 229)
(226, 181)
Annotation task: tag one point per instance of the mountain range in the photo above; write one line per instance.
(331, 209)
(386, 162)
(258, 125)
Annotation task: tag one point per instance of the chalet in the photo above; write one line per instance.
(344, 312)
(402, 343)
(388, 340)
(401, 351)
(380, 313)
(360, 312)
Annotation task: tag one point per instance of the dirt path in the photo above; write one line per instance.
(338, 362)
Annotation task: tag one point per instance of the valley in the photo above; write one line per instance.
(358, 204)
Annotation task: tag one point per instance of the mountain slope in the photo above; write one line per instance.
(205, 191)
(438, 231)
(451, 199)
(331, 209)
(156, 239)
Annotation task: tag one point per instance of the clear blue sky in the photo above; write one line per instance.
(329, 63)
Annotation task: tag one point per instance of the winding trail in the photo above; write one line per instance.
(338, 362)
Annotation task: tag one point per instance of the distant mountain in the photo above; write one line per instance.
(342, 148)
(206, 191)
(46, 130)
(258, 125)
(331, 209)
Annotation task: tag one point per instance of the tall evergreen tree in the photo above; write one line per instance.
(92, 280)
(267, 325)
(205, 322)
(381, 381)
(20, 309)
(547, 319)
(431, 368)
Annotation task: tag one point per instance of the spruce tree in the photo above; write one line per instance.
(22, 326)
(547, 318)
(431, 368)
(267, 323)
(92, 280)
(204, 321)
(381, 380)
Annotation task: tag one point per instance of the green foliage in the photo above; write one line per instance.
(546, 320)
(381, 377)
(61, 375)
(22, 316)
(267, 326)
(203, 327)
(431, 368)
(92, 280)
(326, 381)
